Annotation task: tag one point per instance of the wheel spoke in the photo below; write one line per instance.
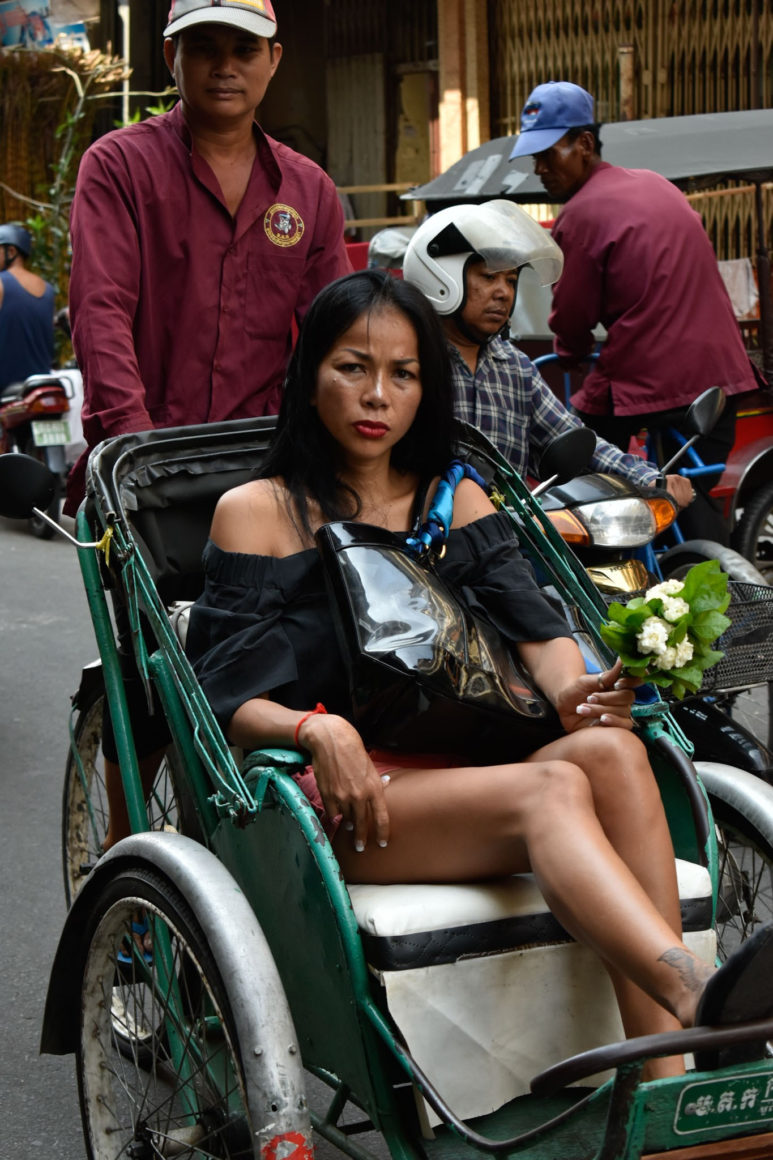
(85, 813)
(745, 884)
(176, 1089)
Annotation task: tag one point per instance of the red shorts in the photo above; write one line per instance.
(384, 762)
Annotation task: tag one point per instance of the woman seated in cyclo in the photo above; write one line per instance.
(365, 429)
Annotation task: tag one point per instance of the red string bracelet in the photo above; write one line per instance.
(312, 712)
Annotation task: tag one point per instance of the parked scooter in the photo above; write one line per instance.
(34, 421)
(41, 417)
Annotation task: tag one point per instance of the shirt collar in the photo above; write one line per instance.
(497, 347)
(265, 145)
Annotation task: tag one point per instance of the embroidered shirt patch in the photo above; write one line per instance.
(283, 225)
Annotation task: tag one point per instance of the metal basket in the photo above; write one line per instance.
(748, 642)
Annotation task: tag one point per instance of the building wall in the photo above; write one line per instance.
(640, 58)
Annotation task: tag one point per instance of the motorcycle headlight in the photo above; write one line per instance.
(626, 523)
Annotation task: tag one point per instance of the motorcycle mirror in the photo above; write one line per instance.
(565, 457)
(704, 412)
(25, 483)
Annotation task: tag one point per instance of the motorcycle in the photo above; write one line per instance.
(40, 417)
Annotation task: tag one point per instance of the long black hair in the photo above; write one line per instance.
(303, 452)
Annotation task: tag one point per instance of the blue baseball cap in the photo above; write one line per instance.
(551, 109)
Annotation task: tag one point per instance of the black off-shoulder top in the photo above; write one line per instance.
(264, 626)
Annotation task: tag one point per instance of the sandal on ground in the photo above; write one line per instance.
(126, 954)
(740, 991)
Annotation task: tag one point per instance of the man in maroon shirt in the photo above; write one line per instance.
(197, 241)
(636, 259)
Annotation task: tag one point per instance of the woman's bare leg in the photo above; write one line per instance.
(619, 772)
(476, 823)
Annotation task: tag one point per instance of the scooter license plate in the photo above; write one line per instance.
(50, 432)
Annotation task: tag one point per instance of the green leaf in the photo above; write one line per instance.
(710, 625)
(705, 587)
(708, 659)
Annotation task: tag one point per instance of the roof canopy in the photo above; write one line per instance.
(692, 152)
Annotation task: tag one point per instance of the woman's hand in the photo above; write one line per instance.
(597, 699)
(346, 777)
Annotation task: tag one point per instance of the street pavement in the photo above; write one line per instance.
(45, 638)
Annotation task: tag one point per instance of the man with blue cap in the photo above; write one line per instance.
(637, 260)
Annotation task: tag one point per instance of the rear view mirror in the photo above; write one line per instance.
(704, 412)
(566, 456)
(25, 483)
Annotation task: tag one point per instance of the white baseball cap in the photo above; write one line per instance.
(253, 16)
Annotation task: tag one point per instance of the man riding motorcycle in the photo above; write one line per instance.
(466, 260)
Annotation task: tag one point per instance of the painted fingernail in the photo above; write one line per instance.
(385, 779)
(348, 825)
(583, 710)
(382, 844)
(359, 846)
(593, 698)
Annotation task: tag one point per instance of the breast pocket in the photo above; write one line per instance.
(274, 278)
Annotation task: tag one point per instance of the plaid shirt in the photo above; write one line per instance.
(508, 399)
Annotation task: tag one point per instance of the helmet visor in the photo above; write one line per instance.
(506, 238)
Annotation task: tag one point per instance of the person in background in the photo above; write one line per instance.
(638, 260)
(466, 259)
(197, 243)
(26, 311)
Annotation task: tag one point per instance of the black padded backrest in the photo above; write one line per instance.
(166, 485)
(171, 536)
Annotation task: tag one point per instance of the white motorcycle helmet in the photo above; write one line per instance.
(499, 232)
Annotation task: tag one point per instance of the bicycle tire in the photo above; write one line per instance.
(185, 1094)
(745, 875)
(84, 798)
(753, 534)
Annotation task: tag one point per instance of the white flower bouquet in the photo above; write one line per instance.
(665, 636)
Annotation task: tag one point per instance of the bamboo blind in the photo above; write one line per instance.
(689, 56)
(404, 30)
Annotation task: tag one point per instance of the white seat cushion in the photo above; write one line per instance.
(487, 988)
(406, 926)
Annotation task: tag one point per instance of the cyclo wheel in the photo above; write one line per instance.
(84, 802)
(185, 1094)
(745, 876)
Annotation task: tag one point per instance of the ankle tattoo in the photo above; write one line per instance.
(691, 971)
